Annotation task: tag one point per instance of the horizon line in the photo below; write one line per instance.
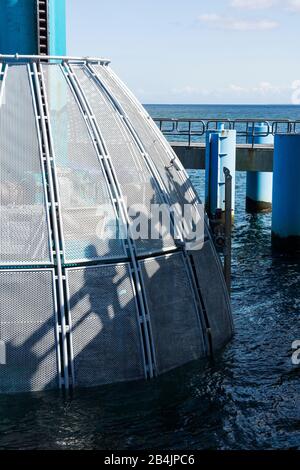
(221, 104)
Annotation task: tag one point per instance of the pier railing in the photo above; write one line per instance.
(192, 131)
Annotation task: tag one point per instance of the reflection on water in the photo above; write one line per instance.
(249, 397)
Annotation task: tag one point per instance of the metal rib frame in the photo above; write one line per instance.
(149, 163)
(189, 261)
(49, 208)
(38, 266)
(111, 178)
(3, 73)
(55, 214)
(152, 170)
(159, 134)
(81, 260)
(35, 264)
(42, 162)
(197, 297)
(144, 321)
(161, 185)
(183, 175)
(154, 127)
(67, 317)
(72, 358)
(117, 207)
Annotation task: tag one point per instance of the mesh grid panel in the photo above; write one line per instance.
(86, 206)
(177, 189)
(136, 182)
(27, 327)
(215, 299)
(175, 324)
(24, 231)
(105, 332)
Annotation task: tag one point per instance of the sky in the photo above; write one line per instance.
(194, 51)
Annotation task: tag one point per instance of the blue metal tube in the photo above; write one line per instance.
(259, 184)
(18, 27)
(220, 153)
(286, 193)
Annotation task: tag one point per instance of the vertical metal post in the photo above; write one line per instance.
(109, 168)
(44, 120)
(228, 228)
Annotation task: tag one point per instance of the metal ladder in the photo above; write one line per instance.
(42, 26)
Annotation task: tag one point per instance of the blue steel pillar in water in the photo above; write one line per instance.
(286, 193)
(220, 153)
(259, 184)
(19, 27)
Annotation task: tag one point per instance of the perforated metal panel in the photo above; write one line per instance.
(24, 229)
(90, 225)
(136, 181)
(106, 337)
(109, 325)
(215, 297)
(177, 334)
(27, 329)
(178, 186)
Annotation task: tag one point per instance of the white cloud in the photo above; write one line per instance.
(261, 93)
(237, 88)
(253, 4)
(296, 92)
(237, 24)
(190, 90)
(263, 89)
(267, 87)
(294, 5)
(296, 84)
(291, 5)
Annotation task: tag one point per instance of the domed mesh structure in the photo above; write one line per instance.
(78, 308)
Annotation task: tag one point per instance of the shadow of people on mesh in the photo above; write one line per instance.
(105, 330)
(189, 209)
(27, 330)
(106, 337)
(151, 221)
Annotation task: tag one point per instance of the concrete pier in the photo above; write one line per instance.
(248, 158)
(286, 193)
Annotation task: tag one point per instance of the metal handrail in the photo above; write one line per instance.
(20, 57)
(193, 129)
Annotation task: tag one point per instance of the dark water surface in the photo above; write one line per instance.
(208, 111)
(247, 398)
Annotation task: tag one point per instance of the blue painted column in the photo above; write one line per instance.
(220, 153)
(259, 184)
(18, 27)
(57, 27)
(286, 193)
